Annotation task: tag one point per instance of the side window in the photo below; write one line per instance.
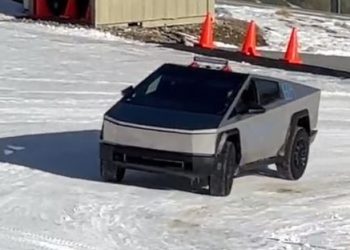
(268, 91)
(247, 99)
(153, 86)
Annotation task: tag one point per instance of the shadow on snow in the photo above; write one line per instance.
(75, 155)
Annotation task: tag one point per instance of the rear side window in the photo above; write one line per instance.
(268, 91)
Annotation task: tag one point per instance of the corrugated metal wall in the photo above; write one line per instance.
(150, 12)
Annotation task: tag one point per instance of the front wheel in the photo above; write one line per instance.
(111, 173)
(293, 165)
(221, 180)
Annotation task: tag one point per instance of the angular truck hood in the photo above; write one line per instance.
(170, 119)
(190, 143)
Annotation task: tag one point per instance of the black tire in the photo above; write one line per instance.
(111, 173)
(221, 180)
(293, 165)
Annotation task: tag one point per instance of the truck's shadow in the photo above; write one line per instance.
(75, 155)
(261, 171)
(70, 154)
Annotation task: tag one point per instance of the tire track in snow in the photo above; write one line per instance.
(66, 81)
(335, 94)
(53, 92)
(41, 241)
(330, 223)
(300, 244)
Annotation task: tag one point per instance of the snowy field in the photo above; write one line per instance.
(317, 34)
(55, 84)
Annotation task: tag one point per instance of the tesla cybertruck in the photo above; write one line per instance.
(206, 122)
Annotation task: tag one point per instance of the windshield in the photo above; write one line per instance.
(188, 89)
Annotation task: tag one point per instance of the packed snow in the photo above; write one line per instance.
(318, 34)
(55, 85)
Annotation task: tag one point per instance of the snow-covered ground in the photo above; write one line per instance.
(55, 85)
(317, 34)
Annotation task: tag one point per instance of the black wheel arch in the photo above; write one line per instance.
(301, 119)
(298, 119)
(232, 136)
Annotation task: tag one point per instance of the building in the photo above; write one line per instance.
(144, 13)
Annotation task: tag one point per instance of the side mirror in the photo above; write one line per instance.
(256, 109)
(128, 91)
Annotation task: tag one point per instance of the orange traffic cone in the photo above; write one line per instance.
(249, 46)
(71, 11)
(42, 9)
(207, 34)
(292, 55)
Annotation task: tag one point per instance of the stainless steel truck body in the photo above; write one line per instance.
(206, 123)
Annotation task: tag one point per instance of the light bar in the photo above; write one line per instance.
(210, 60)
(224, 63)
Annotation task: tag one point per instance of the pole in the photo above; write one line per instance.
(336, 6)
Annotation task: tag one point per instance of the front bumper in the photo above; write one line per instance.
(150, 160)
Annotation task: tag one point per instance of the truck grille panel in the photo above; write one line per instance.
(154, 162)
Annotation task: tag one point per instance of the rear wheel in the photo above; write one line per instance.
(221, 180)
(111, 173)
(293, 165)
